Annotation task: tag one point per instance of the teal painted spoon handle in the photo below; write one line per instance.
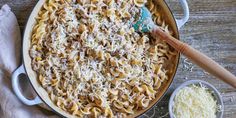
(197, 57)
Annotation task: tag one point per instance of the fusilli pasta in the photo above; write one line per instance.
(91, 61)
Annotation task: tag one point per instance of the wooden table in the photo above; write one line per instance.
(210, 29)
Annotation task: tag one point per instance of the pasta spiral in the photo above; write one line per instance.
(91, 61)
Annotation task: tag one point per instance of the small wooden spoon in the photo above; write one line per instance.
(145, 24)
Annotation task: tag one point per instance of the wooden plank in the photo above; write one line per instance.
(210, 29)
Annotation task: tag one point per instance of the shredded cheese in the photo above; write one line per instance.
(92, 63)
(194, 102)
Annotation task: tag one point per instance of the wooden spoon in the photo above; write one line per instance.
(145, 24)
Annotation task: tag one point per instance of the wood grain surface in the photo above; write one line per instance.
(210, 29)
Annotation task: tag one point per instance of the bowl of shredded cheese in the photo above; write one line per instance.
(196, 99)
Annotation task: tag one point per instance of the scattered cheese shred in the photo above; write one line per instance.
(194, 102)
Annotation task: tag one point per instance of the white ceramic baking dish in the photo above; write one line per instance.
(42, 97)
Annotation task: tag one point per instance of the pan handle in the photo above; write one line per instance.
(182, 21)
(15, 85)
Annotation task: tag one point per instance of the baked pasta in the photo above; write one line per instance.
(90, 60)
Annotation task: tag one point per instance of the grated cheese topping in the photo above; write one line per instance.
(90, 60)
(194, 102)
